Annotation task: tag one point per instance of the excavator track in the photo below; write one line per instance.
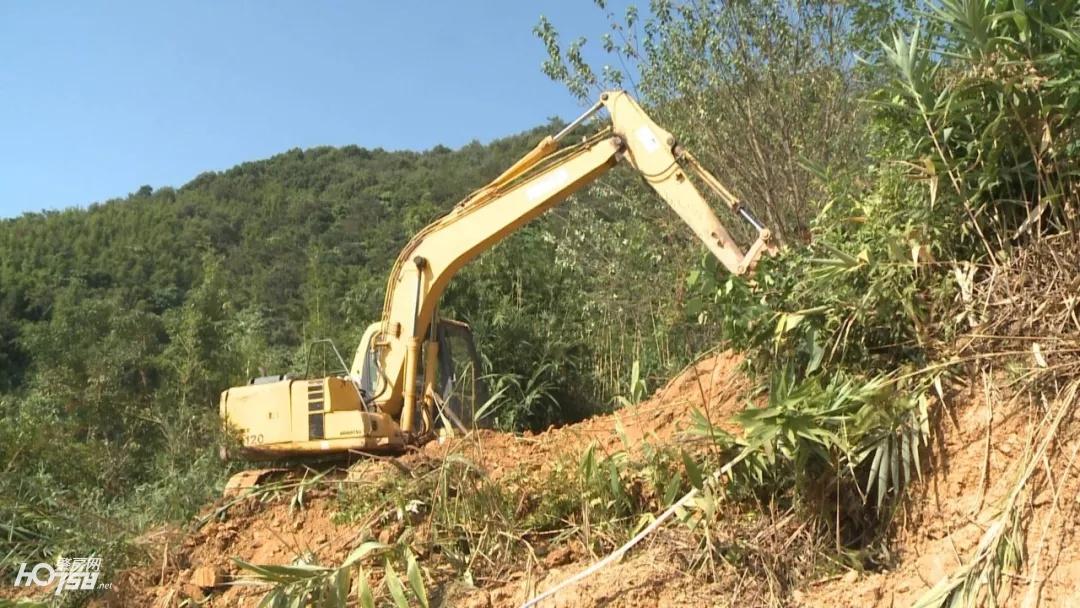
(327, 467)
(240, 483)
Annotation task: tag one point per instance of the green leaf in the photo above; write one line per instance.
(341, 588)
(365, 549)
(894, 469)
(614, 481)
(906, 453)
(397, 590)
(883, 471)
(692, 278)
(364, 595)
(693, 471)
(817, 353)
(875, 470)
(1019, 16)
(416, 579)
(588, 462)
(787, 322)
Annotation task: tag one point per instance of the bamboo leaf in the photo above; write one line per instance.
(341, 588)
(416, 579)
(883, 472)
(693, 471)
(364, 550)
(894, 462)
(397, 590)
(364, 595)
(905, 453)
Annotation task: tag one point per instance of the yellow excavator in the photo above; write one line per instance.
(392, 395)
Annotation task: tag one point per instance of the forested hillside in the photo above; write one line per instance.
(287, 231)
(897, 413)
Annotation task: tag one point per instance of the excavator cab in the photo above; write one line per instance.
(459, 389)
(462, 390)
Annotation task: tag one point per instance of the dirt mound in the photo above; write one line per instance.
(201, 563)
(200, 566)
(712, 386)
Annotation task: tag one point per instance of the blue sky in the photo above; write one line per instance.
(98, 98)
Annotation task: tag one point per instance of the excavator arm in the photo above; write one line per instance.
(389, 354)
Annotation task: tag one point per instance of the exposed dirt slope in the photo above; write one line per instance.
(982, 439)
(986, 442)
(714, 386)
(277, 531)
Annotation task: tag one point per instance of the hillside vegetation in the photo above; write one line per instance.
(122, 322)
(918, 162)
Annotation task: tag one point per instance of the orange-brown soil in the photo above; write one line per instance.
(976, 462)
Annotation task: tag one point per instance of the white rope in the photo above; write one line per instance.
(617, 554)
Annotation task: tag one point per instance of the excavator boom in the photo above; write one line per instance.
(536, 183)
(403, 345)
